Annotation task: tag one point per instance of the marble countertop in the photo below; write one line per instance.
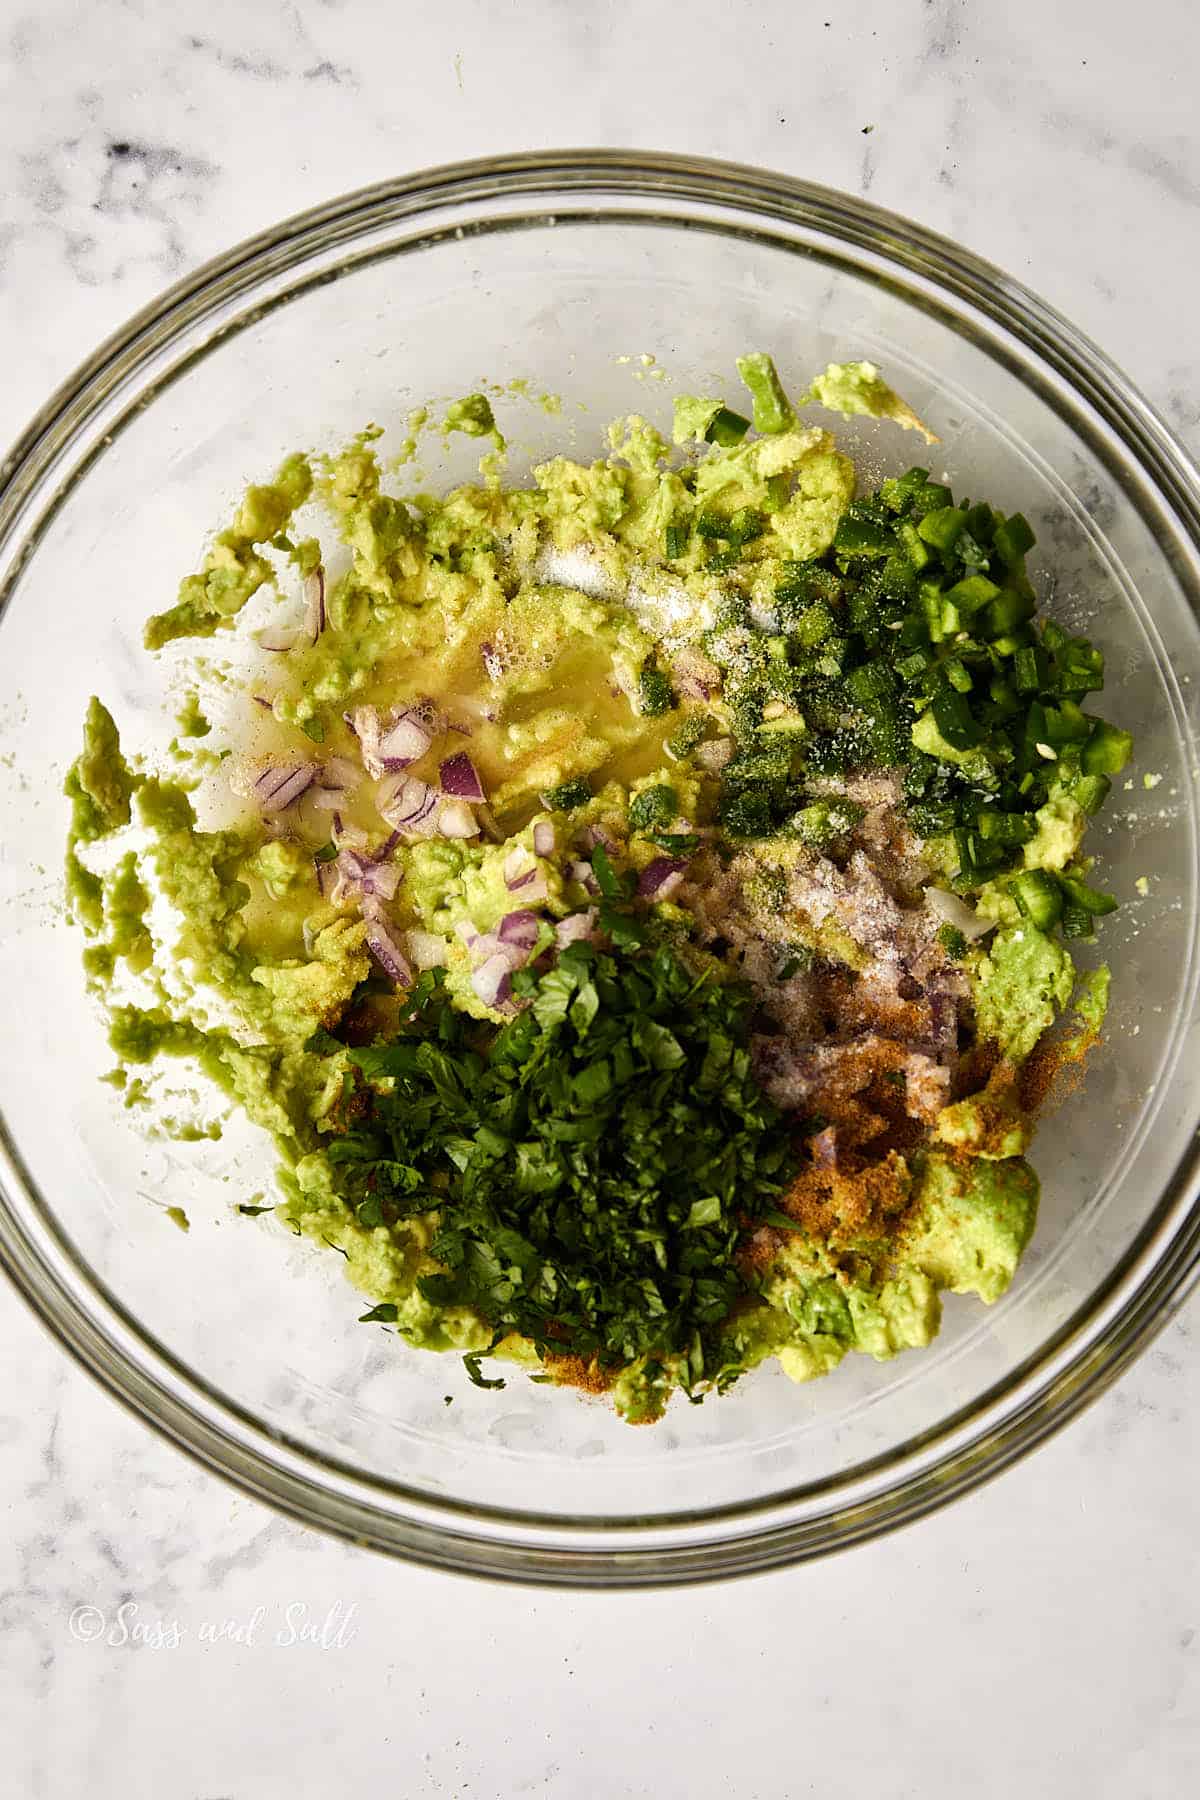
(1040, 1637)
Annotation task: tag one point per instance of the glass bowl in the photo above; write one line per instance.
(573, 271)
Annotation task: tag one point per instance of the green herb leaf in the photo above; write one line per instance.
(568, 797)
(587, 1170)
(607, 879)
(653, 807)
(655, 693)
(471, 1364)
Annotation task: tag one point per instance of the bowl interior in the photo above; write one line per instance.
(574, 305)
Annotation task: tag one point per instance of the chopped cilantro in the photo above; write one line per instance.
(952, 941)
(692, 731)
(611, 885)
(655, 693)
(568, 797)
(590, 1164)
(480, 1380)
(653, 807)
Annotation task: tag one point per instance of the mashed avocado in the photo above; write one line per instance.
(1022, 984)
(565, 899)
(858, 387)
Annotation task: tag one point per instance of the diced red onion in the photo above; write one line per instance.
(695, 677)
(531, 885)
(943, 1025)
(314, 602)
(279, 637)
(346, 869)
(278, 788)
(456, 820)
(596, 834)
(406, 802)
(460, 778)
(955, 911)
(519, 929)
(334, 780)
(824, 1148)
(516, 865)
(367, 876)
(403, 742)
(492, 980)
(339, 772)
(582, 872)
(489, 944)
(659, 879)
(382, 879)
(575, 927)
(466, 931)
(348, 836)
(426, 948)
(363, 723)
(386, 949)
(543, 838)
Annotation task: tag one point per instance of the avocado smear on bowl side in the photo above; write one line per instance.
(638, 905)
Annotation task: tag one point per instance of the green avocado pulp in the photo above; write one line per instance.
(638, 904)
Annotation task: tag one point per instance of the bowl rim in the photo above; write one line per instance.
(1150, 1281)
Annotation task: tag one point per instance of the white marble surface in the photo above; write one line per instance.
(1044, 1636)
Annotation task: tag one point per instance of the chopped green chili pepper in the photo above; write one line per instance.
(1107, 750)
(726, 428)
(772, 409)
(1090, 899)
(1039, 897)
(941, 528)
(1013, 539)
(1091, 791)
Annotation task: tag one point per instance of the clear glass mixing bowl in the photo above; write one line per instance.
(240, 1344)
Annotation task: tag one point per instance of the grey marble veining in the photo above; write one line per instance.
(1042, 1637)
